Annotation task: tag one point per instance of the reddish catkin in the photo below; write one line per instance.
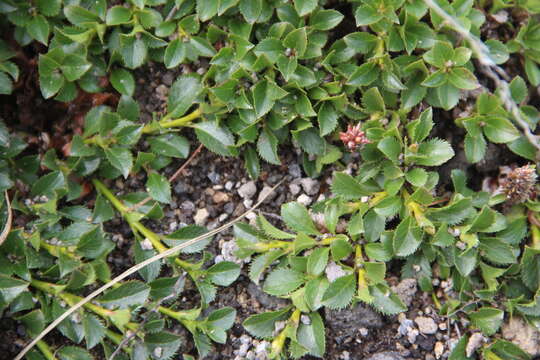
(353, 137)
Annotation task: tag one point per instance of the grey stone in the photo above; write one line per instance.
(406, 290)
(180, 188)
(311, 186)
(213, 177)
(295, 171)
(294, 188)
(386, 355)
(348, 322)
(247, 190)
(522, 334)
(426, 325)
(268, 193)
(304, 200)
(201, 216)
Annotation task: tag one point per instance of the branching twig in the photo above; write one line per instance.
(134, 269)
(171, 179)
(491, 70)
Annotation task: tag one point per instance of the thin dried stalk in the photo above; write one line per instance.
(134, 269)
(7, 228)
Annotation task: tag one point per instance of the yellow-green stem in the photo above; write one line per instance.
(535, 236)
(110, 196)
(167, 123)
(45, 350)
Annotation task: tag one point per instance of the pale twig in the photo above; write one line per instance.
(134, 269)
(490, 69)
(171, 179)
(7, 228)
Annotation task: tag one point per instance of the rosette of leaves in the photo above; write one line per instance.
(305, 272)
(492, 121)
(451, 74)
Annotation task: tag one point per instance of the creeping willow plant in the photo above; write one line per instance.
(251, 77)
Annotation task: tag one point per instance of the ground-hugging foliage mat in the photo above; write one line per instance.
(396, 87)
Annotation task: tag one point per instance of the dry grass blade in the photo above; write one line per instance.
(7, 227)
(133, 270)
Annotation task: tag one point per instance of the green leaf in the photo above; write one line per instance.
(462, 78)
(317, 260)
(304, 7)
(297, 217)
(170, 145)
(297, 40)
(475, 148)
(283, 281)
(10, 288)
(407, 237)
(497, 251)
(38, 28)
(223, 273)
(439, 54)
(366, 15)
(312, 336)
(267, 147)
(74, 67)
(73, 353)
(373, 101)
(361, 42)
(530, 268)
(77, 15)
(327, 118)
(175, 53)
(94, 331)
(453, 213)
(346, 186)
(159, 188)
(325, 19)
(182, 94)
(310, 141)
(390, 147)
(487, 319)
(251, 9)
(340, 292)
(123, 81)
(167, 342)
(216, 138)
(518, 89)
(49, 7)
(434, 152)
(133, 51)
(262, 325)
(499, 130)
(251, 162)
(121, 159)
(271, 230)
(448, 96)
(6, 84)
(364, 75)
(386, 301)
(118, 15)
(129, 293)
(207, 9)
(314, 292)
